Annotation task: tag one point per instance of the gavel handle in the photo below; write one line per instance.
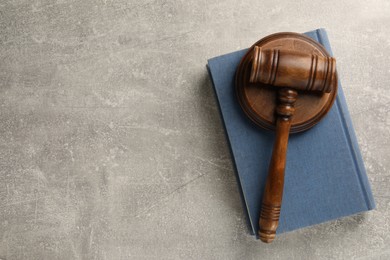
(273, 193)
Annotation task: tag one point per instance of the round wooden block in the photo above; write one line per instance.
(259, 101)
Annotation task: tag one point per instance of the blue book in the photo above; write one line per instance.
(325, 178)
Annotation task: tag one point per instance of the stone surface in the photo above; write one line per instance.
(111, 145)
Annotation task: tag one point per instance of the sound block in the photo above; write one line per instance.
(258, 101)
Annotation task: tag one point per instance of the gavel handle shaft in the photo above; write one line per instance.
(273, 193)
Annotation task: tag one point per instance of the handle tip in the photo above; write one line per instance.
(266, 236)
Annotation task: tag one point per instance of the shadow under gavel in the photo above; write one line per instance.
(288, 72)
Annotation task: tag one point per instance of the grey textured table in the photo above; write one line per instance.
(111, 145)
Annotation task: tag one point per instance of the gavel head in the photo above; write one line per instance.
(295, 70)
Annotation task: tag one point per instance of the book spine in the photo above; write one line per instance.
(349, 132)
(242, 196)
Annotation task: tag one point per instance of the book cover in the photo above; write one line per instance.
(325, 178)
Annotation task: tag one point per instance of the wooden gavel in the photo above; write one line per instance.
(289, 72)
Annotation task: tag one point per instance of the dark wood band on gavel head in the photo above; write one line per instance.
(296, 70)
